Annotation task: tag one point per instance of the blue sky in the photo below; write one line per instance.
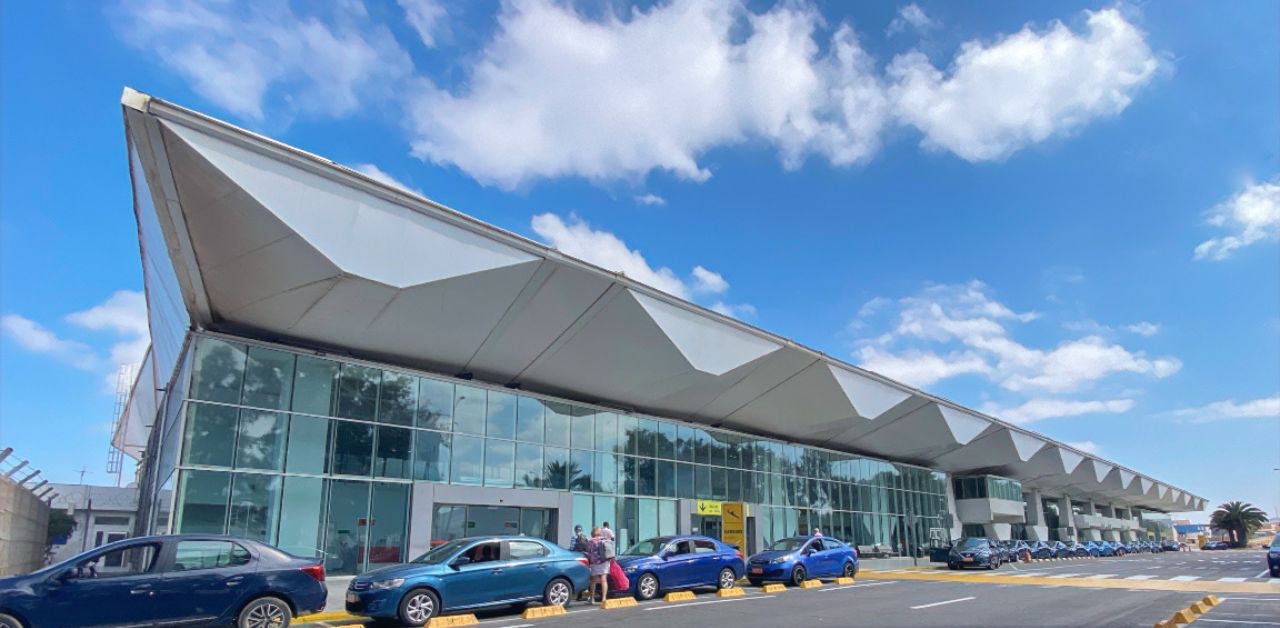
(1065, 215)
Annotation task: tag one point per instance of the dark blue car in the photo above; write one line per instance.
(1273, 557)
(973, 551)
(467, 574)
(161, 580)
(668, 563)
(800, 558)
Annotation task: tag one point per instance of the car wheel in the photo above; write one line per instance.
(798, 576)
(647, 587)
(9, 621)
(849, 570)
(418, 606)
(557, 593)
(265, 612)
(1275, 573)
(727, 579)
(952, 566)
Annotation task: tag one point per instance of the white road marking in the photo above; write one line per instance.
(1184, 578)
(959, 599)
(1232, 579)
(1139, 577)
(1066, 575)
(1023, 575)
(1101, 576)
(1263, 573)
(854, 586)
(688, 604)
(1242, 621)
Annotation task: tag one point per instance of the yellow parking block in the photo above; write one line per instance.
(810, 584)
(1198, 608)
(731, 592)
(448, 621)
(327, 616)
(1183, 616)
(1211, 601)
(844, 580)
(679, 596)
(1168, 623)
(538, 612)
(618, 602)
(774, 588)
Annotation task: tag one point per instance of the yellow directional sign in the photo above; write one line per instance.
(708, 508)
(734, 524)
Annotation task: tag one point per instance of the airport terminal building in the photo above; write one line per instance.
(343, 368)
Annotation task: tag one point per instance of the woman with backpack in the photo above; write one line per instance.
(600, 556)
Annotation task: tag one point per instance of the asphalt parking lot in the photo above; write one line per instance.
(1129, 591)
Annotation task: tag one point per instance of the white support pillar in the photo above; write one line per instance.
(1036, 529)
(1066, 520)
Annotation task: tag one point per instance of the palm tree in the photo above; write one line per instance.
(1240, 519)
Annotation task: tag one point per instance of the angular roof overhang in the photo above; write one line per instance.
(276, 243)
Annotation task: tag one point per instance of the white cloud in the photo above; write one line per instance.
(123, 314)
(651, 199)
(1086, 446)
(997, 98)
(740, 311)
(427, 17)
(34, 337)
(1143, 328)
(1039, 409)
(1253, 215)
(556, 93)
(1264, 408)
(975, 329)
(911, 16)
(240, 54)
(708, 281)
(377, 174)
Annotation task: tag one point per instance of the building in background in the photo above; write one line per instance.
(343, 368)
(103, 514)
(24, 515)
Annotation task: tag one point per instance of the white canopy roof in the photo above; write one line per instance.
(276, 243)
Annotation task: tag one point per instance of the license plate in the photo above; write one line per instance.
(968, 559)
(757, 570)
(352, 598)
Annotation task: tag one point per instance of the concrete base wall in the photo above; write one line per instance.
(24, 523)
(1037, 533)
(1090, 534)
(1000, 531)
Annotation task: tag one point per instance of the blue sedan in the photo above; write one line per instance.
(162, 580)
(467, 574)
(680, 562)
(800, 558)
(1273, 557)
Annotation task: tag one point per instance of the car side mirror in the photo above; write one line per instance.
(809, 551)
(460, 561)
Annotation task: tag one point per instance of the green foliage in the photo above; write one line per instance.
(1240, 519)
(60, 525)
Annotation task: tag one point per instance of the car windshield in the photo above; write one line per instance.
(971, 543)
(441, 553)
(789, 545)
(1275, 543)
(647, 547)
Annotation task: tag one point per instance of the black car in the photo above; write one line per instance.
(1216, 545)
(973, 551)
(1170, 545)
(162, 580)
(1041, 550)
(1017, 549)
(1060, 550)
(1078, 550)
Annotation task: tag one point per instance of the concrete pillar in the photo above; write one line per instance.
(1066, 520)
(1090, 508)
(1000, 531)
(956, 526)
(1036, 529)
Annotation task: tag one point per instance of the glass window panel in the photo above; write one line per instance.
(529, 423)
(719, 483)
(606, 511)
(468, 410)
(397, 398)
(261, 439)
(701, 446)
(667, 517)
(528, 465)
(584, 513)
(202, 505)
(558, 423)
(501, 415)
(665, 443)
(448, 523)
(645, 483)
(255, 501)
(431, 456)
(581, 467)
(715, 448)
(628, 434)
(605, 475)
(732, 451)
(358, 392)
(626, 526)
(315, 386)
(702, 477)
(301, 515)
(556, 468)
(747, 450)
(499, 463)
(468, 460)
(352, 448)
(308, 450)
(348, 531)
(647, 519)
(388, 519)
(665, 478)
(685, 443)
(686, 485)
(583, 434)
(268, 378)
(210, 435)
(393, 459)
(218, 371)
(607, 432)
(733, 485)
(435, 405)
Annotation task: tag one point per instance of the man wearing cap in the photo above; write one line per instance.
(579, 542)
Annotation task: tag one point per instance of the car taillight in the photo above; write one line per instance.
(583, 560)
(741, 555)
(315, 571)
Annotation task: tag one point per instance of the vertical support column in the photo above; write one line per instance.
(1066, 520)
(1036, 528)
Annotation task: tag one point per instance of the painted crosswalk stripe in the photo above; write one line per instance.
(1232, 579)
(1023, 575)
(1184, 578)
(1066, 575)
(1139, 577)
(1101, 576)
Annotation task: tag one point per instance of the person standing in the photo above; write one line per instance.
(600, 557)
(579, 542)
(607, 533)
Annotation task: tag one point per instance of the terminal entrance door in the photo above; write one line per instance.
(708, 525)
(450, 522)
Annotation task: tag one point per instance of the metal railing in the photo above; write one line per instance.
(19, 472)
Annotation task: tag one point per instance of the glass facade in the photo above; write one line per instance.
(318, 456)
(987, 487)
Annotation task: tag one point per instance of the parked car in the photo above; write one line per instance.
(1106, 549)
(1093, 549)
(161, 580)
(1041, 549)
(669, 563)
(1170, 545)
(1017, 549)
(1273, 557)
(469, 573)
(1078, 550)
(973, 551)
(1216, 545)
(1060, 550)
(1002, 548)
(799, 558)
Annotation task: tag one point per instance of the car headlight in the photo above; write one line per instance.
(386, 584)
(629, 569)
(781, 559)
